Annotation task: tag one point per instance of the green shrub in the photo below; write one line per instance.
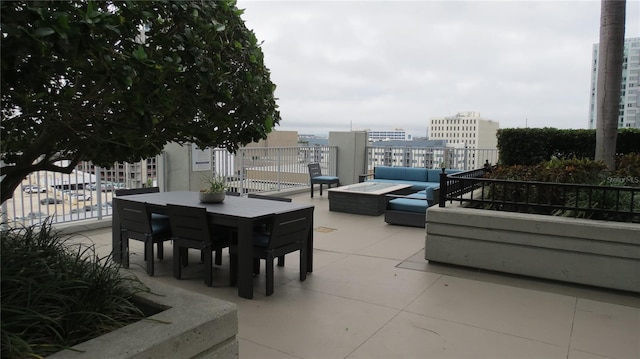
(56, 295)
(618, 203)
(580, 171)
(530, 146)
(614, 205)
(627, 171)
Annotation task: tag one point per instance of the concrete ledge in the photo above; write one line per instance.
(193, 326)
(83, 225)
(598, 253)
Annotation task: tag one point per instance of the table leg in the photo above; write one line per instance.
(310, 247)
(245, 258)
(116, 246)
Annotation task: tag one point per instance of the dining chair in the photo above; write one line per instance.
(263, 226)
(136, 223)
(157, 219)
(191, 229)
(316, 177)
(288, 232)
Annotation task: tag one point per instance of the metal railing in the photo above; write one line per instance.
(430, 157)
(85, 193)
(88, 191)
(612, 203)
(272, 168)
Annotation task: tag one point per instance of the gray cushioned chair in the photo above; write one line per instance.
(316, 177)
(287, 233)
(191, 229)
(136, 223)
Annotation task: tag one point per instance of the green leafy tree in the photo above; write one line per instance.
(610, 58)
(114, 81)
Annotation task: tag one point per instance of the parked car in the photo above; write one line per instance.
(34, 215)
(82, 197)
(78, 197)
(106, 187)
(82, 209)
(95, 207)
(34, 189)
(50, 200)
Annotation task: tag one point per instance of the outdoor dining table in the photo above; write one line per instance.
(236, 212)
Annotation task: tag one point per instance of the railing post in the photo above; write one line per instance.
(466, 157)
(241, 185)
(443, 189)
(279, 169)
(98, 173)
(4, 206)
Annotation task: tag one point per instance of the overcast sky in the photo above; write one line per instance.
(381, 65)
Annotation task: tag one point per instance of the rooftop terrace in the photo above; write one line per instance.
(372, 295)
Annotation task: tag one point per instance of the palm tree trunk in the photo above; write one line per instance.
(610, 59)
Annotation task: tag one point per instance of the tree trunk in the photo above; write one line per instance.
(609, 81)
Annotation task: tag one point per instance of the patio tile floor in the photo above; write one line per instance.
(372, 295)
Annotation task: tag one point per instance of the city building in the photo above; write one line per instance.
(397, 134)
(423, 154)
(628, 113)
(466, 130)
(131, 175)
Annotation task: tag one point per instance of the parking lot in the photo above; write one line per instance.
(32, 204)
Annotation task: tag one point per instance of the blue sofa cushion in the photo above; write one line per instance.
(418, 178)
(428, 192)
(416, 186)
(401, 173)
(260, 239)
(325, 178)
(408, 205)
(434, 175)
(419, 195)
(160, 223)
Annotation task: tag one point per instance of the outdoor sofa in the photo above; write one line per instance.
(409, 210)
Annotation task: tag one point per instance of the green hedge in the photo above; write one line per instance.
(530, 146)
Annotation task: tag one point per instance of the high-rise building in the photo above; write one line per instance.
(628, 112)
(466, 130)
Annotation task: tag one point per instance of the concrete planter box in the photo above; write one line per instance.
(192, 326)
(598, 253)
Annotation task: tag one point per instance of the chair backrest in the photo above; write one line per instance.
(127, 191)
(189, 222)
(232, 193)
(290, 227)
(270, 198)
(315, 170)
(134, 216)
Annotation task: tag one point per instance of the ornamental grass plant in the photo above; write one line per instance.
(56, 294)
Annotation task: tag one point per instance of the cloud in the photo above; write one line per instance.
(395, 64)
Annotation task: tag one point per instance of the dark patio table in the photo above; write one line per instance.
(236, 212)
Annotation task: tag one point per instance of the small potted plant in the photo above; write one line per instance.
(215, 189)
